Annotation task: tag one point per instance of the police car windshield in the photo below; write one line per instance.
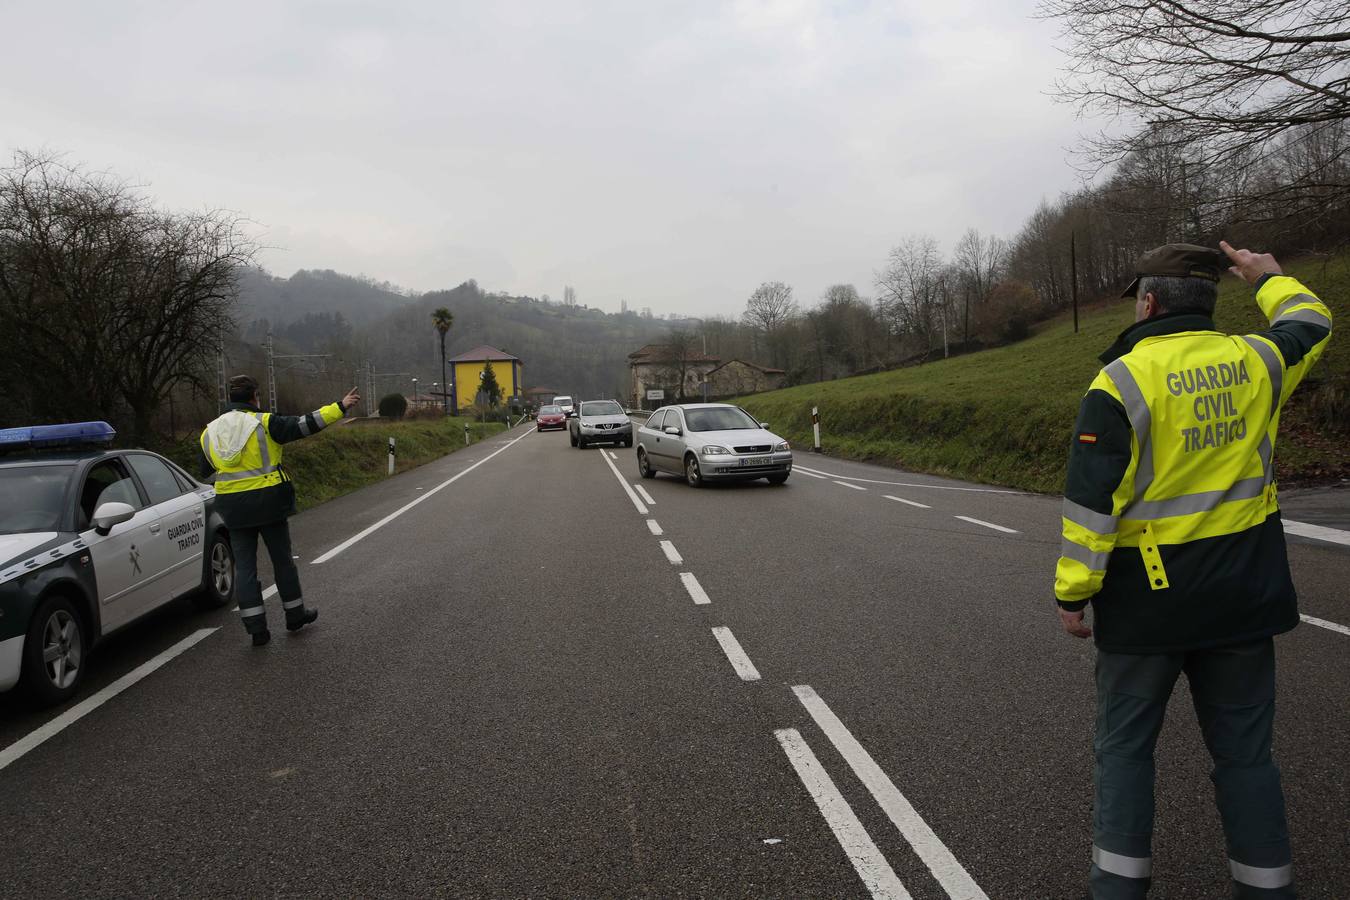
(30, 497)
(718, 418)
(601, 408)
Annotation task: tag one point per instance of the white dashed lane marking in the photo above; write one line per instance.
(671, 553)
(1317, 532)
(987, 524)
(654, 528)
(737, 656)
(696, 592)
(645, 496)
(847, 485)
(908, 502)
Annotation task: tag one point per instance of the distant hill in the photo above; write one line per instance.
(264, 297)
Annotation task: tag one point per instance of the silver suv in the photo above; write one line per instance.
(711, 442)
(600, 422)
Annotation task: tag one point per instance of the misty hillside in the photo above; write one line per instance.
(264, 298)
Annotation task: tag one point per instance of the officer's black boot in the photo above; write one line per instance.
(298, 616)
(261, 637)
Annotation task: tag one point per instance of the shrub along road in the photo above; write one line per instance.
(536, 674)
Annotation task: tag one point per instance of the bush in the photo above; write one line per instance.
(393, 406)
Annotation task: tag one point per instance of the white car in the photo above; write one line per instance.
(566, 404)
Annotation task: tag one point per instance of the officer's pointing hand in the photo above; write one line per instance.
(353, 397)
(1250, 266)
(1074, 624)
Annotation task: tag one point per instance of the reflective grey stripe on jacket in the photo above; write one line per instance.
(1141, 420)
(312, 423)
(264, 451)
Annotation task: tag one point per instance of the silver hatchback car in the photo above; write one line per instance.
(711, 442)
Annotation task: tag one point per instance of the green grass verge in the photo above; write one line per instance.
(1005, 416)
(345, 457)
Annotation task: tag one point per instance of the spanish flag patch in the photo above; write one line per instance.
(1086, 438)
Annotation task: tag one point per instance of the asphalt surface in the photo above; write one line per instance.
(511, 691)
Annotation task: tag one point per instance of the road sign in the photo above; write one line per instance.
(656, 395)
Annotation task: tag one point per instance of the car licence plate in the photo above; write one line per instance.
(756, 460)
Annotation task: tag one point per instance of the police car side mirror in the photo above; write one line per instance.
(111, 514)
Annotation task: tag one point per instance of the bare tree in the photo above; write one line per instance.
(106, 303)
(1227, 83)
(911, 290)
(978, 264)
(769, 309)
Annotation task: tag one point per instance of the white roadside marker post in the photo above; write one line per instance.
(815, 427)
(391, 456)
(466, 434)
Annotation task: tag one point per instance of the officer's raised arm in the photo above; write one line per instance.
(285, 429)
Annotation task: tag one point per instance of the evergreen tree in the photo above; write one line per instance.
(489, 386)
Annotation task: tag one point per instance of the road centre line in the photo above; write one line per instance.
(696, 592)
(986, 524)
(361, 535)
(876, 873)
(611, 455)
(909, 502)
(738, 658)
(671, 553)
(642, 510)
(856, 487)
(646, 497)
(1317, 532)
(43, 733)
(654, 528)
(953, 877)
(1323, 623)
(936, 487)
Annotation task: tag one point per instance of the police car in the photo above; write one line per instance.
(92, 539)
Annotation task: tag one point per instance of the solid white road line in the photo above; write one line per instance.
(1323, 623)
(853, 839)
(802, 471)
(732, 648)
(361, 535)
(671, 553)
(85, 707)
(986, 524)
(612, 456)
(695, 589)
(1317, 532)
(909, 502)
(654, 528)
(647, 498)
(642, 510)
(856, 487)
(953, 877)
(935, 487)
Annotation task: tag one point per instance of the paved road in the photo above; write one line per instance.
(513, 691)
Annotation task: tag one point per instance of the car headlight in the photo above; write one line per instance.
(714, 450)
(782, 448)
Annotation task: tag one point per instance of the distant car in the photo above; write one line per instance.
(92, 539)
(601, 422)
(550, 417)
(566, 404)
(704, 442)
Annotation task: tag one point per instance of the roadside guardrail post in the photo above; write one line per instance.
(815, 427)
(391, 456)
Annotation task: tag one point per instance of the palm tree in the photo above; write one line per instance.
(443, 319)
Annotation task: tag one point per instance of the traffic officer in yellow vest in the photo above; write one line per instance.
(254, 496)
(1172, 532)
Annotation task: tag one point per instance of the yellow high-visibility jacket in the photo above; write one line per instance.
(243, 447)
(1171, 525)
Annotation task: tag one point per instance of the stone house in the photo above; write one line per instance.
(660, 367)
(736, 377)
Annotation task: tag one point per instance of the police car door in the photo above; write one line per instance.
(122, 571)
(176, 550)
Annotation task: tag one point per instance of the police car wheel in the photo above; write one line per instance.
(219, 588)
(53, 654)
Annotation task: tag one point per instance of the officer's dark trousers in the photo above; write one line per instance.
(1234, 693)
(244, 541)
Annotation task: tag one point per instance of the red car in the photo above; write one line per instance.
(550, 417)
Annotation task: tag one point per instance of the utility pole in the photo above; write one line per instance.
(272, 358)
(222, 397)
(1073, 276)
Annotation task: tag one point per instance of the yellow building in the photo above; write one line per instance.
(466, 372)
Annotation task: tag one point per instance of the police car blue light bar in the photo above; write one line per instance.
(42, 437)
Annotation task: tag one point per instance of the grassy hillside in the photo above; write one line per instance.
(1005, 416)
(345, 457)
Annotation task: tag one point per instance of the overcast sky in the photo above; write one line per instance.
(673, 154)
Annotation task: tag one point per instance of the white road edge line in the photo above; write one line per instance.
(1323, 623)
(797, 468)
(654, 528)
(642, 510)
(909, 502)
(856, 487)
(732, 648)
(953, 877)
(876, 873)
(696, 592)
(936, 487)
(26, 743)
(612, 455)
(986, 524)
(646, 497)
(1317, 532)
(671, 553)
(361, 535)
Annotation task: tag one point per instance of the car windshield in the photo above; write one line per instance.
(718, 418)
(30, 497)
(550, 411)
(601, 408)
